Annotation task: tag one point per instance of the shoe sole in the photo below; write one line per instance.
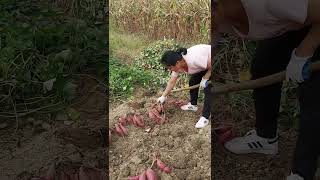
(201, 127)
(267, 152)
(189, 110)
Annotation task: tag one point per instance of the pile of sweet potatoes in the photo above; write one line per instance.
(149, 174)
(121, 130)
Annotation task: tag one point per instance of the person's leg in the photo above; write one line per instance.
(308, 143)
(208, 96)
(195, 79)
(272, 56)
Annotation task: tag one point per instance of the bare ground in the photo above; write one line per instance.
(31, 152)
(229, 166)
(182, 147)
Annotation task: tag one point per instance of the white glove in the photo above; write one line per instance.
(204, 83)
(161, 99)
(298, 68)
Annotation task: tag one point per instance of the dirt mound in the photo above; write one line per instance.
(181, 146)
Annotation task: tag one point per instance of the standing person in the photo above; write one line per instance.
(195, 61)
(288, 36)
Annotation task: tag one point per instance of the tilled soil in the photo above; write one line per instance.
(31, 152)
(181, 146)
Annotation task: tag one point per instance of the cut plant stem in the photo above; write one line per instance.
(152, 163)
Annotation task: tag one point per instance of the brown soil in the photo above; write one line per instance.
(180, 145)
(31, 152)
(229, 166)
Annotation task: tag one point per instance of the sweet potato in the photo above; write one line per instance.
(130, 118)
(122, 120)
(151, 175)
(167, 170)
(151, 114)
(222, 129)
(143, 176)
(140, 121)
(159, 108)
(133, 177)
(226, 136)
(124, 130)
(135, 120)
(163, 166)
(119, 130)
(160, 164)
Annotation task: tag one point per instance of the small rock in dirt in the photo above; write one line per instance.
(3, 125)
(67, 122)
(136, 160)
(155, 132)
(147, 130)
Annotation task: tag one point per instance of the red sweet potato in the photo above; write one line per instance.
(222, 129)
(124, 130)
(143, 176)
(226, 136)
(122, 120)
(119, 130)
(135, 120)
(160, 164)
(140, 121)
(130, 118)
(151, 175)
(163, 166)
(133, 177)
(167, 170)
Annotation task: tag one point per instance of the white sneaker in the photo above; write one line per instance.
(252, 143)
(294, 177)
(203, 122)
(189, 107)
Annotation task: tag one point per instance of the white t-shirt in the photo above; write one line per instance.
(197, 59)
(270, 18)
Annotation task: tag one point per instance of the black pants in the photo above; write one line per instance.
(272, 56)
(196, 79)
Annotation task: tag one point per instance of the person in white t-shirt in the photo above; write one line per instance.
(288, 39)
(195, 61)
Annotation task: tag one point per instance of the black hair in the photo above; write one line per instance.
(170, 58)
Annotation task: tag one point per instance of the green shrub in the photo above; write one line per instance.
(123, 78)
(149, 60)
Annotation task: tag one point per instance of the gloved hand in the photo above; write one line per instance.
(204, 83)
(298, 69)
(161, 99)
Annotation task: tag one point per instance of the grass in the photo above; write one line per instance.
(125, 46)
